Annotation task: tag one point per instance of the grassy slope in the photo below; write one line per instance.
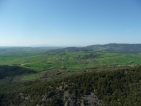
(31, 77)
(71, 60)
(64, 61)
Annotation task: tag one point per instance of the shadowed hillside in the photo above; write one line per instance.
(8, 71)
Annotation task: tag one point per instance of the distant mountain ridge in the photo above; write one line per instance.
(112, 47)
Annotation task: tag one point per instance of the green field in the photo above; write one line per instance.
(40, 60)
(70, 60)
(31, 77)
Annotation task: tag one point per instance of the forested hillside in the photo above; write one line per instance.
(107, 87)
(8, 71)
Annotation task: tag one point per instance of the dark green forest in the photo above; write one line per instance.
(109, 87)
(7, 71)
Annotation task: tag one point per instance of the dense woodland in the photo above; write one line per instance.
(7, 71)
(114, 87)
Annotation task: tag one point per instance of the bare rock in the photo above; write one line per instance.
(70, 102)
(92, 100)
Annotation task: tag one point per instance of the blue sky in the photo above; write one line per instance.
(69, 22)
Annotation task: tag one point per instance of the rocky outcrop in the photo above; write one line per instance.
(92, 100)
(70, 102)
(47, 96)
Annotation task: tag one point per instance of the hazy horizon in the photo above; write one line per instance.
(69, 23)
(53, 46)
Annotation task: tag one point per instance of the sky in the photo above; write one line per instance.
(69, 22)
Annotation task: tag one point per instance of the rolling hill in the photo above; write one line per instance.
(112, 47)
(96, 75)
